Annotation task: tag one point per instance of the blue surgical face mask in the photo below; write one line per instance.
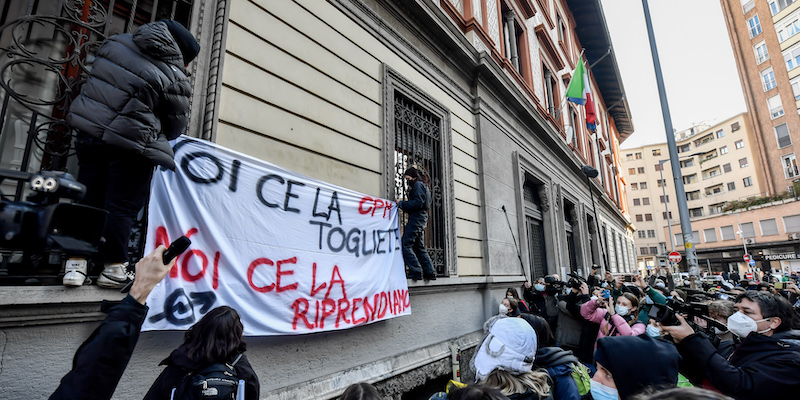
(603, 392)
(539, 287)
(648, 300)
(621, 310)
(652, 331)
(604, 285)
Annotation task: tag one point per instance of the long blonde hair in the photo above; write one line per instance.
(508, 383)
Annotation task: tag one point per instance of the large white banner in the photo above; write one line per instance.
(291, 254)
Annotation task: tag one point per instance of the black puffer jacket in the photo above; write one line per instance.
(137, 95)
(761, 367)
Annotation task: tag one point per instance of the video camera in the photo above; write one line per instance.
(42, 225)
(575, 281)
(665, 315)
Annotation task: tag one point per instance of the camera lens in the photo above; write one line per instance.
(50, 185)
(37, 182)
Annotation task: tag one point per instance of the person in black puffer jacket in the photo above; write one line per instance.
(134, 101)
(764, 365)
(415, 254)
(216, 338)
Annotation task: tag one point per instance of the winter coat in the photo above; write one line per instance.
(657, 297)
(100, 361)
(558, 363)
(610, 326)
(417, 205)
(535, 300)
(761, 367)
(179, 364)
(568, 332)
(137, 95)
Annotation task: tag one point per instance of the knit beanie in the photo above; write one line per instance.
(412, 172)
(186, 42)
(638, 362)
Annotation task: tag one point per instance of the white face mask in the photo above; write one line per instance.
(503, 309)
(648, 300)
(622, 310)
(741, 325)
(603, 392)
(539, 287)
(595, 298)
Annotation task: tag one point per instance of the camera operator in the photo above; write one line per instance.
(766, 365)
(553, 288)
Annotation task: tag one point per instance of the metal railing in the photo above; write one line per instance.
(46, 53)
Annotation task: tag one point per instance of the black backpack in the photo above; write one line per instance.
(214, 382)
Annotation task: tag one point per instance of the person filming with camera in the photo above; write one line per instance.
(765, 365)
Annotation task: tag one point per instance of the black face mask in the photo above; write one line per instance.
(409, 182)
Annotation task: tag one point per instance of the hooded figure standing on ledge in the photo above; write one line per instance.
(134, 101)
(415, 254)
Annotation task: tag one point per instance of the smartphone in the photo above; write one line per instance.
(779, 285)
(605, 294)
(175, 249)
(628, 278)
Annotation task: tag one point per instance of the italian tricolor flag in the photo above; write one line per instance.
(579, 92)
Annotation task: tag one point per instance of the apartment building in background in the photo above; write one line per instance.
(765, 37)
(717, 164)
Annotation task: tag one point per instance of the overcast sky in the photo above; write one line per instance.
(696, 59)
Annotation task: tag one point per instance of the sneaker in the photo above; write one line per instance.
(114, 276)
(74, 272)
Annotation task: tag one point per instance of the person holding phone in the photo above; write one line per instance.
(100, 361)
(616, 318)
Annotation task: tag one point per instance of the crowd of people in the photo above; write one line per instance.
(610, 337)
(558, 340)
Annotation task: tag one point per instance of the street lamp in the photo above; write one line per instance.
(591, 172)
(740, 232)
(666, 207)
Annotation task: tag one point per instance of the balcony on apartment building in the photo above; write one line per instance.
(712, 172)
(704, 140)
